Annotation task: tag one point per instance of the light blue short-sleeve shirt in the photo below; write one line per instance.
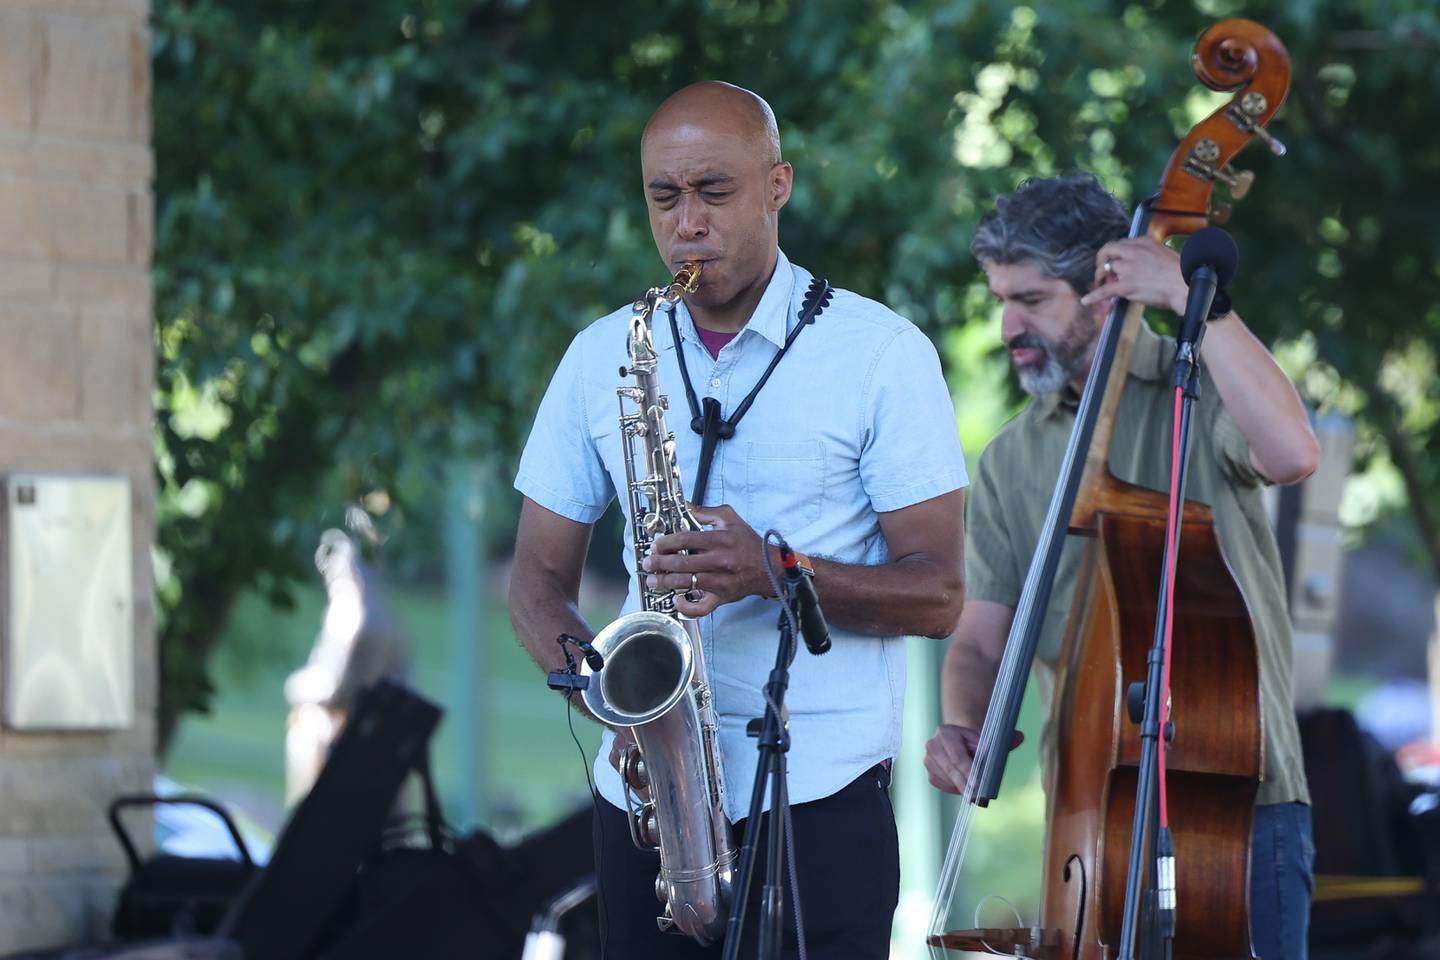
(855, 421)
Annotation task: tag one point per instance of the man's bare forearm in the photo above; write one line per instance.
(1261, 400)
(972, 662)
(545, 583)
(966, 685)
(920, 591)
(913, 596)
(540, 611)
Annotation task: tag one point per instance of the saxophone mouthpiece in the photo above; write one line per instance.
(687, 278)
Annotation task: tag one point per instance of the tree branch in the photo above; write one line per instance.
(1404, 460)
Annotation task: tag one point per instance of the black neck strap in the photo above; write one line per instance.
(709, 424)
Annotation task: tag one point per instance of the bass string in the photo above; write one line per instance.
(986, 746)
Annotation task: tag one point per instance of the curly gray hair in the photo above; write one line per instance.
(1058, 223)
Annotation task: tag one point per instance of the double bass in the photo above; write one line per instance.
(1214, 763)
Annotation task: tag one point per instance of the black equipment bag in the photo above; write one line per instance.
(289, 910)
(473, 898)
(169, 895)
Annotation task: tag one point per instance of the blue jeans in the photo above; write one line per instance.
(1282, 860)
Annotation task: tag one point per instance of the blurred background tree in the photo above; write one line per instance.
(379, 225)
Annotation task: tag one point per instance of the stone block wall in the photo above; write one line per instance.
(76, 369)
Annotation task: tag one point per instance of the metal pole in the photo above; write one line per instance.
(466, 663)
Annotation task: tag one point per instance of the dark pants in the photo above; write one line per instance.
(1282, 858)
(847, 864)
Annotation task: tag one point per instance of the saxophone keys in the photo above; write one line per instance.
(632, 770)
(645, 828)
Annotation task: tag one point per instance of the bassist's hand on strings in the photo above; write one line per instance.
(950, 752)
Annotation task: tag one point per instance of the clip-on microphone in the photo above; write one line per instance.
(569, 680)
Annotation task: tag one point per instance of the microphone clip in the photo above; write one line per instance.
(569, 680)
(1219, 305)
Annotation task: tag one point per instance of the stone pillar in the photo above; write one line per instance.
(76, 374)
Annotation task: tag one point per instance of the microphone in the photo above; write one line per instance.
(813, 628)
(1207, 262)
(592, 656)
(569, 680)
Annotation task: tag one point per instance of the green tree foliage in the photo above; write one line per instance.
(379, 224)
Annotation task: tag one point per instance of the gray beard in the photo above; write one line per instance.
(1061, 363)
(1047, 376)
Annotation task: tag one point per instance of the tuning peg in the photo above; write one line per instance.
(1276, 147)
(1239, 181)
(1220, 213)
(1246, 115)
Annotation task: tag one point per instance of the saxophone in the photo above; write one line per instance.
(654, 679)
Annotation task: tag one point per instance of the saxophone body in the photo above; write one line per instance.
(654, 679)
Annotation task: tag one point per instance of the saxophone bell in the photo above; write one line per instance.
(648, 667)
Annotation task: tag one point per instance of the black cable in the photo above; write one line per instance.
(599, 823)
(567, 682)
(794, 878)
(772, 705)
(711, 425)
(775, 583)
(817, 298)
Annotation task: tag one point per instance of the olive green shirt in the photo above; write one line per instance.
(1018, 471)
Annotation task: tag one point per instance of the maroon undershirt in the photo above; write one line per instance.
(715, 339)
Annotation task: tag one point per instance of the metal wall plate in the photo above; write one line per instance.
(69, 644)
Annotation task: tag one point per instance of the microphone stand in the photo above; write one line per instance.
(1145, 706)
(773, 742)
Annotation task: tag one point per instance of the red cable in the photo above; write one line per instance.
(1171, 535)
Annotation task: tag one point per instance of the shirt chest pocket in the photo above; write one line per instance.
(785, 482)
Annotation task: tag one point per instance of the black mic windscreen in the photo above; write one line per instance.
(1215, 247)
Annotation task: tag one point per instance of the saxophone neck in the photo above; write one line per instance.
(686, 280)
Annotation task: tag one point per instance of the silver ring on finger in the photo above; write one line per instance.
(1109, 266)
(694, 594)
